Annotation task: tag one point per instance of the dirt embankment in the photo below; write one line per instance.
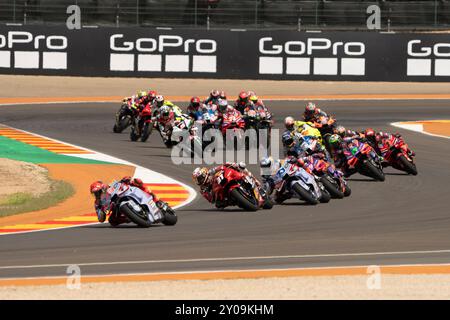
(22, 177)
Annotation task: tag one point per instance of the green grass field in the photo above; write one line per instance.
(23, 202)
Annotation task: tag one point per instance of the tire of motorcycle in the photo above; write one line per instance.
(242, 201)
(117, 129)
(332, 188)
(133, 135)
(146, 131)
(170, 218)
(373, 171)
(325, 198)
(268, 204)
(135, 217)
(347, 191)
(304, 194)
(408, 166)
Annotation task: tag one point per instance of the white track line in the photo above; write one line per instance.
(331, 255)
(411, 127)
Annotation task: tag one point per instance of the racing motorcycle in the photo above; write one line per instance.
(209, 119)
(138, 206)
(233, 188)
(186, 129)
(124, 117)
(331, 177)
(234, 123)
(362, 158)
(142, 125)
(317, 161)
(258, 120)
(326, 126)
(398, 155)
(292, 180)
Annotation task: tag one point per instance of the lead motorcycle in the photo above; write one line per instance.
(398, 155)
(236, 189)
(138, 206)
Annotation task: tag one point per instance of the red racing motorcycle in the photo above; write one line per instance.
(236, 189)
(142, 126)
(397, 154)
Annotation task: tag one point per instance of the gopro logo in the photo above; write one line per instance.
(22, 50)
(302, 57)
(421, 62)
(190, 55)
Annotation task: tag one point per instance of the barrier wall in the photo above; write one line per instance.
(280, 55)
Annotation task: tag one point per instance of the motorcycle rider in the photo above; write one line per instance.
(214, 96)
(100, 191)
(312, 113)
(203, 177)
(194, 107)
(380, 141)
(242, 101)
(269, 168)
(347, 133)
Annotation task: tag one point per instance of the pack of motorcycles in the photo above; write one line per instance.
(316, 181)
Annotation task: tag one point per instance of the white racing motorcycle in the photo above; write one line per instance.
(138, 206)
(292, 180)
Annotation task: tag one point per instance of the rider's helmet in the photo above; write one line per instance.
(215, 94)
(159, 101)
(195, 102)
(243, 97)
(254, 98)
(152, 95)
(340, 130)
(310, 108)
(369, 132)
(97, 188)
(266, 162)
(287, 139)
(223, 95)
(222, 104)
(334, 140)
(241, 165)
(289, 123)
(200, 175)
(141, 94)
(292, 159)
(164, 112)
(250, 93)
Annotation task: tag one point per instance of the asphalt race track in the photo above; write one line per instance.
(405, 220)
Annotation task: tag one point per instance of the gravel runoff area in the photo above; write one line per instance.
(319, 287)
(56, 86)
(23, 177)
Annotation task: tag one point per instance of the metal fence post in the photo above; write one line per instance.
(256, 14)
(25, 13)
(435, 12)
(195, 13)
(137, 13)
(14, 11)
(207, 19)
(117, 14)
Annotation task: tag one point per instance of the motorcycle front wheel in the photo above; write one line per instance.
(304, 194)
(243, 200)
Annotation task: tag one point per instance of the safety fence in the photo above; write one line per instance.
(232, 14)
